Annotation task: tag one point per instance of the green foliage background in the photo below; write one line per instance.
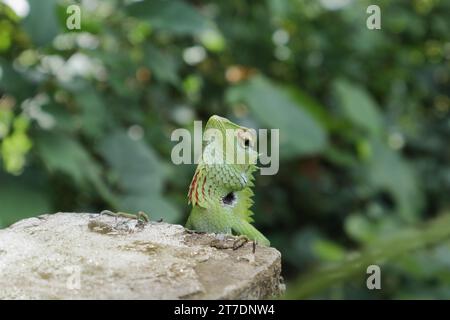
(86, 119)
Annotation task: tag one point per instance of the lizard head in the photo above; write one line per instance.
(227, 142)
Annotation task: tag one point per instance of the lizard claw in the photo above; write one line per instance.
(239, 242)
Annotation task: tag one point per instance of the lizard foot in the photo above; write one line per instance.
(141, 216)
(227, 242)
(194, 231)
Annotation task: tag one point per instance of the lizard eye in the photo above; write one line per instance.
(245, 139)
(229, 199)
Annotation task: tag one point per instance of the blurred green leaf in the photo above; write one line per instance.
(6, 30)
(300, 133)
(213, 40)
(15, 146)
(22, 197)
(358, 107)
(318, 111)
(359, 228)
(175, 15)
(42, 24)
(6, 117)
(328, 250)
(94, 114)
(388, 171)
(12, 82)
(63, 154)
(163, 65)
(140, 176)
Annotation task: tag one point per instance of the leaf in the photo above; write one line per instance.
(174, 15)
(162, 65)
(213, 40)
(94, 114)
(300, 133)
(15, 146)
(41, 24)
(358, 107)
(313, 107)
(328, 250)
(22, 197)
(140, 176)
(61, 153)
(13, 82)
(359, 228)
(388, 171)
(389, 248)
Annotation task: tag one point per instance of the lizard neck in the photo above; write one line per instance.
(219, 185)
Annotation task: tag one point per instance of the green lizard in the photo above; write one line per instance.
(220, 191)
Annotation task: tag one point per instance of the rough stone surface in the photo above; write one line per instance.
(91, 256)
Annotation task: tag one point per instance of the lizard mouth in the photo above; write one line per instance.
(229, 199)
